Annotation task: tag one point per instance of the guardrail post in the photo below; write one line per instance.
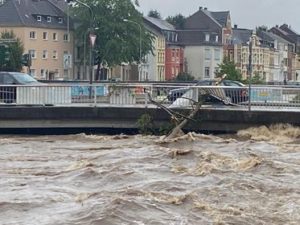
(95, 96)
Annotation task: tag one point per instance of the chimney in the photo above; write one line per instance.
(235, 26)
(205, 8)
(200, 8)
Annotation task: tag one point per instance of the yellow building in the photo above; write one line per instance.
(46, 33)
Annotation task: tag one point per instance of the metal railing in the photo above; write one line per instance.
(143, 95)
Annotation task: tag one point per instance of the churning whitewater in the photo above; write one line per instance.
(252, 178)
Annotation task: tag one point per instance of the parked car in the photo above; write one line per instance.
(234, 95)
(10, 79)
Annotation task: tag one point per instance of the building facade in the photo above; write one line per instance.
(46, 33)
(204, 36)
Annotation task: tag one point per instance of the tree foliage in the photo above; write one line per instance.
(117, 40)
(154, 14)
(15, 50)
(177, 21)
(229, 68)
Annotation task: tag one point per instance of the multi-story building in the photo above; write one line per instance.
(46, 33)
(203, 36)
(293, 38)
(270, 54)
(154, 66)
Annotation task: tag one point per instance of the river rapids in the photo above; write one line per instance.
(252, 178)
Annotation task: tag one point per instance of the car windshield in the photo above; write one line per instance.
(24, 78)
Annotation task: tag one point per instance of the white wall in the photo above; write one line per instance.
(197, 60)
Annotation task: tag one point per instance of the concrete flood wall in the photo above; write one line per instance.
(208, 120)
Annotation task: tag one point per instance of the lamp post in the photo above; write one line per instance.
(250, 69)
(140, 55)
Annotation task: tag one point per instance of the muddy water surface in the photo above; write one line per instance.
(253, 178)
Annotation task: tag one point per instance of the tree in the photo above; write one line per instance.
(117, 40)
(154, 14)
(183, 76)
(177, 21)
(14, 52)
(229, 68)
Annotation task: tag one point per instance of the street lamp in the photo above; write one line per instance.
(140, 57)
(250, 69)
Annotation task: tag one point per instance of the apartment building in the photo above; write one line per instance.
(46, 33)
(154, 66)
(288, 34)
(204, 35)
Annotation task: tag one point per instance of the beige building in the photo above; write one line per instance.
(154, 67)
(46, 34)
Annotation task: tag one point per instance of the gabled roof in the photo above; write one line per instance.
(221, 17)
(205, 19)
(288, 29)
(160, 24)
(24, 12)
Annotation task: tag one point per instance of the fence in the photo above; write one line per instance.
(140, 95)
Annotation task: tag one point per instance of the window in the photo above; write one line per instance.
(54, 56)
(207, 37)
(216, 70)
(217, 38)
(217, 54)
(54, 36)
(45, 54)
(7, 79)
(39, 18)
(49, 19)
(32, 35)
(43, 73)
(173, 55)
(66, 73)
(32, 72)
(66, 37)
(207, 54)
(45, 35)
(60, 20)
(32, 52)
(207, 72)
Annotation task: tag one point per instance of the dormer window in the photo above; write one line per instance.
(49, 19)
(207, 37)
(39, 18)
(217, 38)
(60, 20)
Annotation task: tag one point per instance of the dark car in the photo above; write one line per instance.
(233, 95)
(8, 80)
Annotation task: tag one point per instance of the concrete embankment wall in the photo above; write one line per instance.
(16, 118)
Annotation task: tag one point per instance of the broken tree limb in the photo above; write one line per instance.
(177, 131)
(180, 119)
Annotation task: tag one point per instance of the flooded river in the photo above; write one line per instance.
(252, 178)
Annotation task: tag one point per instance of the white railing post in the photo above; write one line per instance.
(95, 95)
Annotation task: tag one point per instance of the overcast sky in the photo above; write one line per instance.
(244, 13)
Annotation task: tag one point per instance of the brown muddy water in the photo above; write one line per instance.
(251, 178)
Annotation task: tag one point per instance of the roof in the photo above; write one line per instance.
(205, 19)
(288, 29)
(160, 24)
(197, 37)
(241, 36)
(24, 13)
(221, 17)
(278, 38)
